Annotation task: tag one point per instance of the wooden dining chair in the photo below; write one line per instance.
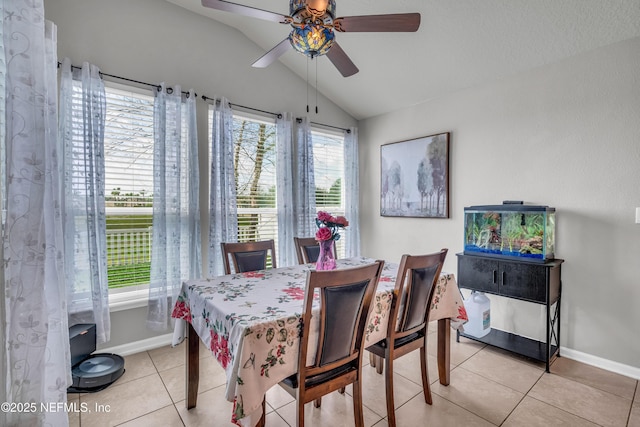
(248, 256)
(308, 249)
(410, 306)
(345, 297)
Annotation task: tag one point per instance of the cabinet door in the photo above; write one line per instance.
(479, 274)
(523, 281)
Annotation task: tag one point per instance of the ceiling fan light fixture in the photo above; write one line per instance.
(314, 24)
(313, 8)
(317, 8)
(312, 40)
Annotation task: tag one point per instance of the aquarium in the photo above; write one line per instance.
(512, 230)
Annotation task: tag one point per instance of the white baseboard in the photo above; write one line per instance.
(139, 346)
(598, 362)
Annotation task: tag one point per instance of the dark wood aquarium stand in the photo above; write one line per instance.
(535, 282)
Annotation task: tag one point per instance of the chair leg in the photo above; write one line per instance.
(372, 359)
(262, 420)
(317, 402)
(379, 364)
(391, 411)
(357, 403)
(299, 412)
(426, 388)
(342, 390)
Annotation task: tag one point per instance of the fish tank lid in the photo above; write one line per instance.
(511, 206)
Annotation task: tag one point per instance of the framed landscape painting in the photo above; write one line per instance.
(415, 177)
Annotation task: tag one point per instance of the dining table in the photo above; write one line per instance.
(251, 323)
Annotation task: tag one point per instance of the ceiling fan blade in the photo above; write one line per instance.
(275, 53)
(252, 12)
(342, 62)
(400, 22)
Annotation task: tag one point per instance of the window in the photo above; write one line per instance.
(255, 173)
(328, 164)
(128, 149)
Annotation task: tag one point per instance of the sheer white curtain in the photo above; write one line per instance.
(223, 206)
(304, 183)
(36, 335)
(3, 207)
(175, 254)
(82, 117)
(284, 175)
(352, 192)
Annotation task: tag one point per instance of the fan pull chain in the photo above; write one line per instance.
(316, 86)
(307, 84)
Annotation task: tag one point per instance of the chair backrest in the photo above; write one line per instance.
(413, 292)
(248, 256)
(308, 249)
(345, 298)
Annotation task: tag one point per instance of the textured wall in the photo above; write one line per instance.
(155, 41)
(565, 135)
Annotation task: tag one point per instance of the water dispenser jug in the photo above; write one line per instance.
(478, 308)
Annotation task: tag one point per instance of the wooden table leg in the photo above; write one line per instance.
(262, 420)
(192, 367)
(444, 350)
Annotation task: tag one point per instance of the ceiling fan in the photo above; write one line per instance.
(314, 22)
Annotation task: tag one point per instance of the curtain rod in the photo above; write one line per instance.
(299, 120)
(278, 115)
(205, 98)
(169, 89)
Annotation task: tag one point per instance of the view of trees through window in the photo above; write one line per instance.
(129, 181)
(328, 163)
(128, 149)
(254, 155)
(255, 173)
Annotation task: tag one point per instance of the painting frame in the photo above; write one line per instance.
(414, 185)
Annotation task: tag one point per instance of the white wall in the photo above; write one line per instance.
(155, 41)
(566, 135)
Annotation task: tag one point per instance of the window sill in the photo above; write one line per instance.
(129, 300)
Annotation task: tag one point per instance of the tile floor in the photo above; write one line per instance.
(488, 387)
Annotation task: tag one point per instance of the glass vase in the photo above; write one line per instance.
(326, 258)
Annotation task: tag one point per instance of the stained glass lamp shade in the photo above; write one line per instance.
(312, 40)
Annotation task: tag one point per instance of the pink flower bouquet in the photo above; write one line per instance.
(329, 226)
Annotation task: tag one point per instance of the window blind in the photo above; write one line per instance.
(255, 174)
(128, 147)
(328, 159)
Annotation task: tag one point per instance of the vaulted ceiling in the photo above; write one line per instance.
(460, 44)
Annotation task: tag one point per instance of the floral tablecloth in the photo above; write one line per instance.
(250, 322)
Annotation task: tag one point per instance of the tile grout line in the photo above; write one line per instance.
(565, 411)
(167, 390)
(148, 413)
(281, 417)
(523, 397)
(585, 385)
(460, 406)
(633, 402)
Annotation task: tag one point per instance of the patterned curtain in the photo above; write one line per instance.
(284, 175)
(34, 318)
(304, 182)
(3, 208)
(82, 118)
(223, 206)
(352, 193)
(175, 254)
